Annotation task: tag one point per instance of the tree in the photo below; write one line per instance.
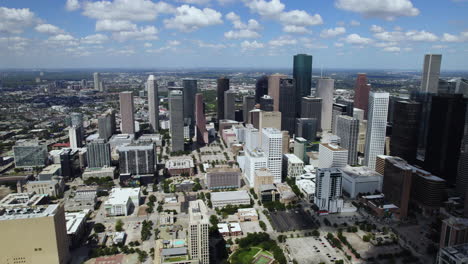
(99, 228)
(152, 198)
(262, 225)
(119, 226)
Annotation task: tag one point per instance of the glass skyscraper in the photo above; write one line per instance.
(302, 73)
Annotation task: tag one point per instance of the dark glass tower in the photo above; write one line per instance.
(446, 127)
(190, 90)
(302, 74)
(261, 88)
(266, 103)
(223, 85)
(287, 107)
(311, 107)
(405, 131)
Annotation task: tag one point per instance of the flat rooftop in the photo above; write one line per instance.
(121, 195)
(17, 213)
(333, 147)
(179, 163)
(358, 172)
(229, 196)
(293, 158)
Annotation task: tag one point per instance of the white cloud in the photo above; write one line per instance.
(386, 9)
(397, 36)
(376, 29)
(392, 49)
(62, 40)
(246, 45)
(240, 34)
(338, 44)
(189, 18)
(390, 36)
(203, 44)
(72, 5)
(133, 10)
(248, 30)
(14, 20)
(357, 40)
(94, 39)
(295, 29)
(312, 45)
(300, 18)
(439, 46)
(48, 29)
(265, 8)
(173, 43)
(462, 37)
(332, 32)
(147, 45)
(340, 23)
(355, 23)
(423, 36)
(195, 2)
(282, 41)
(115, 25)
(15, 44)
(143, 33)
(385, 44)
(408, 49)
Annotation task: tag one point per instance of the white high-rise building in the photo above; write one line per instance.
(153, 103)
(431, 73)
(358, 114)
(325, 88)
(198, 232)
(376, 127)
(74, 134)
(272, 145)
(348, 131)
(252, 138)
(328, 190)
(254, 160)
(97, 81)
(332, 156)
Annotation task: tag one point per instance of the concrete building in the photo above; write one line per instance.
(300, 149)
(397, 184)
(98, 173)
(427, 191)
(431, 73)
(263, 176)
(361, 93)
(453, 255)
(97, 81)
(222, 86)
(254, 160)
(54, 187)
(376, 127)
(221, 199)
(328, 194)
(454, 232)
(307, 128)
(247, 214)
(29, 154)
(302, 73)
(76, 226)
(176, 109)
(223, 178)
(274, 89)
(34, 235)
(180, 167)
(122, 201)
(198, 232)
(75, 138)
(325, 89)
(127, 113)
(287, 107)
(137, 158)
(361, 145)
(200, 120)
(360, 180)
(106, 125)
(230, 104)
(98, 154)
(293, 167)
(332, 156)
(405, 130)
(266, 103)
(349, 105)
(358, 114)
(272, 144)
(153, 103)
(348, 131)
(268, 119)
(311, 107)
(248, 104)
(49, 172)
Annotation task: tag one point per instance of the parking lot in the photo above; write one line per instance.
(311, 250)
(284, 221)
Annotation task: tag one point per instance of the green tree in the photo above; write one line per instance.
(99, 228)
(119, 226)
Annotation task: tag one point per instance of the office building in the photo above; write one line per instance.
(153, 103)
(97, 81)
(361, 146)
(254, 160)
(325, 89)
(76, 120)
(176, 120)
(431, 73)
(311, 107)
(293, 167)
(200, 121)
(302, 73)
(122, 201)
(405, 130)
(198, 232)
(272, 145)
(328, 192)
(222, 86)
(361, 93)
(266, 103)
(102, 172)
(105, 126)
(397, 182)
(286, 139)
(361, 180)
(34, 235)
(248, 104)
(54, 187)
(332, 156)
(337, 110)
(358, 114)
(230, 105)
(425, 99)
(454, 232)
(274, 89)
(349, 105)
(223, 178)
(453, 255)
(348, 131)
(137, 158)
(222, 199)
(427, 191)
(376, 127)
(127, 113)
(98, 154)
(446, 129)
(287, 107)
(307, 128)
(74, 135)
(29, 154)
(261, 88)
(180, 167)
(300, 149)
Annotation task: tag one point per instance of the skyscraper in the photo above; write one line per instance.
(266, 103)
(332, 156)
(397, 183)
(274, 89)
(76, 120)
(198, 232)
(431, 73)
(405, 130)
(223, 86)
(127, 113)
(446, 128)
(190, 89)
(248, 104)
(287, 106)
(325, 89)
(349, 105)
(97, 81)
(105, 126)
(200, 121)
(425, 99)
(29, 154)
(74, 135)
(272, 145)
(311, 107)
(176, 109)
(337, 110)
(306, 128)
(329, 190)
(376, 127)
(302, 73)
(137, 158)
(153, 103)
(361, 93)
(230, 104)
(98, 154)
(261, 88)
(348, 131)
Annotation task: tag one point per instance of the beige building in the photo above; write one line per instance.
(198, 240)
(34, 235)
(274, 87)
(262, 177)
(53, 187)
(361, 145)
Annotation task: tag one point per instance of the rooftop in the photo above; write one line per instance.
(333, 147)
(459, 252)
(247, 211)
(293, 158)
(229, 196)
(357, 172)
(74, 221)
(121, 195)
(263, 172)
(29, 212)
(179, 163)
(222, 169)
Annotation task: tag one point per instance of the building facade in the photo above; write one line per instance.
(272, 145)
(98, 154)
(325, 89)
(328, 192)
(361, 93)
(153, 103)
(176, 108)
(302, 73)
(376, 127)
(405, 130)
(431, 73)
(348, 131)
(127, 113)
(222, 86)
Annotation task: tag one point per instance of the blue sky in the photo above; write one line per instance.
(381, 34)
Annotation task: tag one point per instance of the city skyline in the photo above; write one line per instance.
(337, 33)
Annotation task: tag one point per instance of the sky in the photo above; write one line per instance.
(349, 34)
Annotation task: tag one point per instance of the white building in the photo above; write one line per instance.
(307, 187)
(325, 89)
(292, 166)
(75, 137)
(253, 161)
(358, 114)
(272, 144)
(198, 232)
(361, 180)
(121, 201)
(221, 199)
(332, 156)
(348, 131)
(328, 191)
(252, 138)
(98, 173)
(376, 127)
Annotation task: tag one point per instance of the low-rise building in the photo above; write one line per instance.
(223, 178)
(82, 199)
(53, 187)
(99, 173)
(453, 255)
(287, 195)
(307, 188)
(263, 176)
(221, 199)
(180, 167)
(247, 214)
(454, 232)
(121, 201)
(50, 171)
(230, 229)
(23, 200)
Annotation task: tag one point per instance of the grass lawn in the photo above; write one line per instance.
(247, 255)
